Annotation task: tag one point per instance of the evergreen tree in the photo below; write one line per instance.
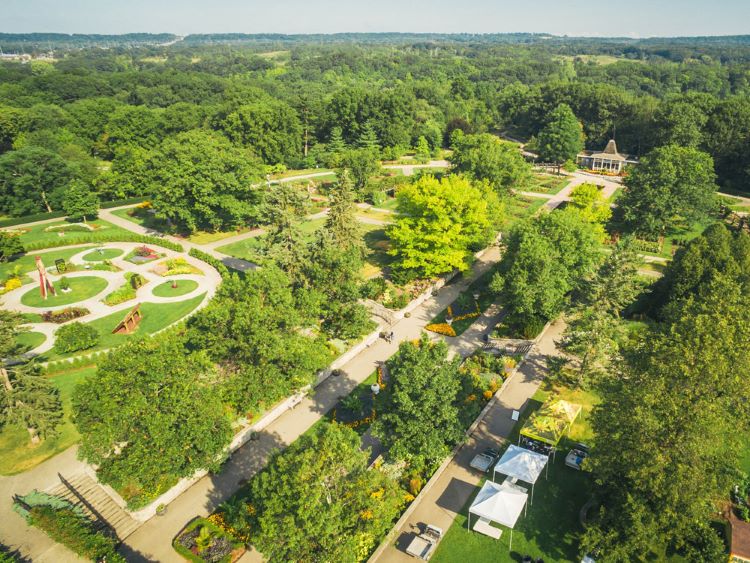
(30, 400)
(562, 138)
(422, 150)
(336, 144)
(368, 139)
(342, 222)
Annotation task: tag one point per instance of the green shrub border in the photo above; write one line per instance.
(208, 259)
(57, 214)
(95, 238)
(192, 525)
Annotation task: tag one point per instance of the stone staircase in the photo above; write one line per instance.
(81, 490)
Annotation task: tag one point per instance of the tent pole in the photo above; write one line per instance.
(510, 547)
(468, 522)
(532, 493)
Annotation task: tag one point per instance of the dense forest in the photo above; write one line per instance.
(105, 115)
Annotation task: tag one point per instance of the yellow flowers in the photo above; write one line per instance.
(441, 328)
(377, 494)
(144, 205)
(366, 514)
(487, 395)
(408, 497)
(357, 423)
(466, 316)
(11, 284)
(380, 378)
(471, 398)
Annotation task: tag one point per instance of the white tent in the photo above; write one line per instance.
(499, 503)
(522, 464)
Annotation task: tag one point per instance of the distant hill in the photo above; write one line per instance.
(34, 42)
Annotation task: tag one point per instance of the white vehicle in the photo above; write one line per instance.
(482, 462)
(576, 456)
(423, 545)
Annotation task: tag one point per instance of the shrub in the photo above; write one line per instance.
(125, 292)
(84, 238)
(11, 284)
(178, 266)
(208, 259)
(373, 288)
(64, 283)
(75, 532)
(64, 315)
(74, 337)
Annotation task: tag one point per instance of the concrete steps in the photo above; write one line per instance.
(83, 491)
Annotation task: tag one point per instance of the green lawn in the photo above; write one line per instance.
(309, 226)
(247, 249)
(548, 183)
(551, 527)
(377, 215)
(81, 288)
(680, 237)
(390, 203)
(17, 454)
(204, 237)
(38, 235)
(183, 288)
(301, 172)
(377, 244)
(27, 262)
(519, 208)
(156, 316)
(102, 255)
(142, 218)
(30, 340)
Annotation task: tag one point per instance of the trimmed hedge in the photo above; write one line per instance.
(208, 259)
(94, 238)
(74, 337)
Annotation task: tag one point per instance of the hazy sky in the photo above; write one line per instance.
(641, 18)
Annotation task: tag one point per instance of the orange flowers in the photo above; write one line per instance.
(441, 328)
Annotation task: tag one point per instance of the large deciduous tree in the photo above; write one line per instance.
(80, 201)
(317, 501)
(420, 421)
(441, 223)
(561, 139)
(32, 179)
(200, 181)
(545, 259)
(671, 187)
(270, 128)
(669, 430)
(261, 337)
(151, 412)
(485, 157)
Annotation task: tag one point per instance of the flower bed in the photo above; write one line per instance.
(441, 328)
(205, 540)
(64, 315)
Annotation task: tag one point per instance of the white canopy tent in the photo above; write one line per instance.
(499, 503)
(521, 464)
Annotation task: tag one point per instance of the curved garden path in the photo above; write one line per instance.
(208, 282)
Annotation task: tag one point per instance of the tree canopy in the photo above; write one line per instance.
(561, 139)
(485, 157)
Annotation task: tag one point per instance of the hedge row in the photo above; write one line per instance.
(57, 214)
(79, 362)
(208, 259)
(105, 237)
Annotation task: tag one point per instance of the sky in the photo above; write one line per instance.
(595, 18)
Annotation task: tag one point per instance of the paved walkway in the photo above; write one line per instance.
(458, 482)
(152, 540)
(208, 282)
(408, 169)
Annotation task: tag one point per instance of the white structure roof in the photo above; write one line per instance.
(522, 464)
(499, 504)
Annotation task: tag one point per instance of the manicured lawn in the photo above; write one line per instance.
(681, 237)
(551, 527)
(548, 183)
(615, 195)
(519, 208)
(203, 237)
(30, 340)
(302, 172)
(27, 262)
(390, 203)
(247, 249)
(378, 244)
(81, 288)
(17, 454)
(156, 316)
(144, 219)
(38, 234)
(102, 255)
(377, 215)
(309, 226)
(183, 288)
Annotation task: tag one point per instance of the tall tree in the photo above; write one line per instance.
(32, 179)
(440, 223)
(561, 139)
(362, 164)
(485, 157)
(341, 222)
(30, 400)
(368, 139)
(152, 411)
(317, 501)
(199, 181)
(80, 201)
(420, 421)
(671, 187)
(671, 420)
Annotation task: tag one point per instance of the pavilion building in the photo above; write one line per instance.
(609, 160)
